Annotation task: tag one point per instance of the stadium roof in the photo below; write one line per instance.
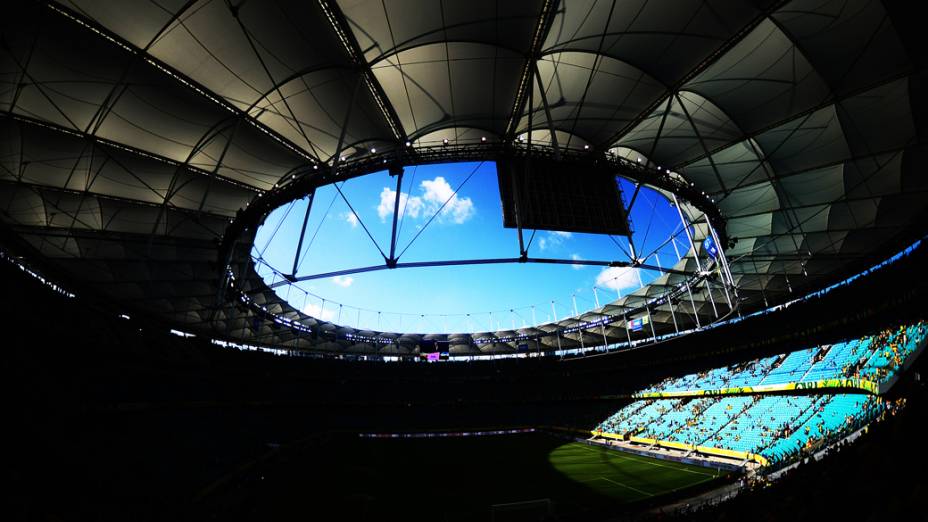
(132, 133)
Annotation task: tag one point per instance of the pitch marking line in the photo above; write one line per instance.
(624, 456)
(627, 486)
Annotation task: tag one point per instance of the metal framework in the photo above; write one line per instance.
(712, 274)
(298, 185)
(149, 144)
(290, 278)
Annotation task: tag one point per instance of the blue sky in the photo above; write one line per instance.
(469, 226)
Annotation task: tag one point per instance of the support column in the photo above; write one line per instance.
(693, 303)
(686, 230)
(627, 333)
(715, 310)
(726, 269)
(651, 322)
(689, 236)
(580, 334)
(396, 213)
(299, 246)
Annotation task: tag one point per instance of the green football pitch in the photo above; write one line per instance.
(463, 479)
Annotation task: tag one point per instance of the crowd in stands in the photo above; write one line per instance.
(876, 358)
(891, 349)
(838, 483)
(776, 427)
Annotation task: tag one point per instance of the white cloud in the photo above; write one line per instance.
(385, 208)
(343, 281)
(409, 206)
(576, 257)
(553, 239)
(314, 310)
(434, 194)
(618, 278)
(437, 191)
(351, 218)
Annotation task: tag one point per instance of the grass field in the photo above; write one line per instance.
(457, 479)
(622, 476)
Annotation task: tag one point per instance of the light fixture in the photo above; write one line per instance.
(408, 144)
(586, 147)
(483, 138)
(373, 150)
(444, 141)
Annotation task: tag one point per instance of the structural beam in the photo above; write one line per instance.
(185, 80)
(396, 213)
(489, 261)
(720, 51)
(299, 245)
(544, 101)
(340, 26)
(542, 26)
